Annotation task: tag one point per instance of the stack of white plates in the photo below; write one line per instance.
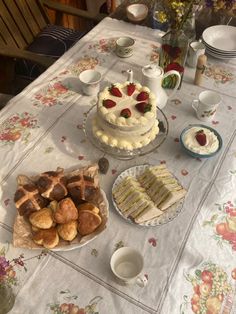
(220, 41)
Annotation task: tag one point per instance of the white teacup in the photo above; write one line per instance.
(206, 105)
(124, 47)
(90, 82)
(127, 264)
(196, 48)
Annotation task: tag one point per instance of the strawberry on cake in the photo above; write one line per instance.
(126, 116)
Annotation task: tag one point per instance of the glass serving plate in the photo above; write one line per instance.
(122, 153)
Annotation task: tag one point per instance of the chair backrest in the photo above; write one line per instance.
(21, 21)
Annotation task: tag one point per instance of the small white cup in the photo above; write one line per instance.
(90, 82)
(124, 47)
(196, 48)
(206, 105)
(127, 264)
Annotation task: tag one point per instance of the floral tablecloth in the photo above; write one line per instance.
(190, 262)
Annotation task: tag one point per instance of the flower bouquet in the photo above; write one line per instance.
(178, 16)
(214, 12)
(174, 49)
(174, 14)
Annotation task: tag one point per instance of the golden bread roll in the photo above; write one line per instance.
(34, 229)
(28, 200)
(82, 187)
(65, 211)
(88, 206)
(88, 221)
(48, 237)
(42, 219)
(53, 205)
(52, 185)
(68, 231)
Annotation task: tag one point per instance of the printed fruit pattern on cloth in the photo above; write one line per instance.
(8, 268)
(211, 290)
(52, 94)
(104, 45)
(220, 74)
(17, 127)
(69, 305)
(85, 63)
(223, 224)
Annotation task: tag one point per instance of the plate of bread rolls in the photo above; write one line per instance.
(59, 210)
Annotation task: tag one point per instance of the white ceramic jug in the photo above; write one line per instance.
(152, 77)
(196, 48)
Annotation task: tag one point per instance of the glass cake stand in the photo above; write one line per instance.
(122, 153)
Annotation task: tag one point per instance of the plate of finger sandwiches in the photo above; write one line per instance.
(59, 210)
(148, 195)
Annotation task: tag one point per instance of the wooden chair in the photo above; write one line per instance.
(111, 4)
(21, 22)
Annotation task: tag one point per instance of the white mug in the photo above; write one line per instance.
(90, 82)
(127, 265)
(196, 48)
(124, 47)
(206, 105)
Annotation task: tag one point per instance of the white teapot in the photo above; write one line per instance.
(152, 77)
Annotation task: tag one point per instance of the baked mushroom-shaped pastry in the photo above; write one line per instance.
(28, 200)
(68, 231)
(88, 222)
(81, 187)
(52, 185)
(65, 211)
(48, 237)
(42, 219)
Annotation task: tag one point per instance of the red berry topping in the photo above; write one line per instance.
(126, 113)
(130, 89)
(143, 107)
(108, 103)
(142, 96)
(201, 137)
(115, 91)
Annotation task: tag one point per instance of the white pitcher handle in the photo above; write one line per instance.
(177, 83)
(195, 104)
(142, 281)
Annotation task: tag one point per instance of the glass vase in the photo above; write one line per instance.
(7, 298)
(173, 54)
(189, 27)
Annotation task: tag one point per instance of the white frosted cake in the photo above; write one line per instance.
(126, 116)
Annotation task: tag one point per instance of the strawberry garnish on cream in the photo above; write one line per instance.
(126, 113)
(130, 89)
(143, 107)
(108, 103)
(201, 137)
(142, 96)
(115, 91)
